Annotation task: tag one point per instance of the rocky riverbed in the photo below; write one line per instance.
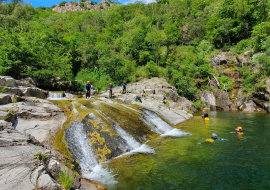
(28, 124)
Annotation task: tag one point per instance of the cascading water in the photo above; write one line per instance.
(160, 126)
(134, 145)
(106, 130)
(58, 95)
(78, 143)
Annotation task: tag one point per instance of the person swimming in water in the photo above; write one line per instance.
(239, 129)
(214, 137)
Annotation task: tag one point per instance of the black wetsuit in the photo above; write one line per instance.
(124, 87)
(205, 115)
(88, 88)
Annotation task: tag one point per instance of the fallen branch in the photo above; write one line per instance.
(218, 84)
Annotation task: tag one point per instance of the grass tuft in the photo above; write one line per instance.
(66, 179)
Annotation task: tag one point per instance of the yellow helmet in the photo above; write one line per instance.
(88, 82)
(203, 110)
(123, 81)
(139, 96)
(239, 127)
(110, 83)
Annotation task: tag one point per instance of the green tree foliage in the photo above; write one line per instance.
(174, 39)
(61, 4)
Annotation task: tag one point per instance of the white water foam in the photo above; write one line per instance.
(58, 96)
(176, 133)
(142, 149)
(101, 175)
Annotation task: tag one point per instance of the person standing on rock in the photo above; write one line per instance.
(164, 100)
(143, 94)
(110, 87)
(124, 84)
(87, 88)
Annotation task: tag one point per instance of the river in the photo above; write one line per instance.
(238, 162)
(175, 157)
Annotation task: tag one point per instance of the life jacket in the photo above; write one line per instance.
(143, 94)
(165, 100)
(205, 115)
(124, 84)
(88, 87)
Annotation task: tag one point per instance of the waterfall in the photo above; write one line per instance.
(134, 145)
(74, 109)
(58, 95)
(161, 127)
(78, 143)
(77, 140)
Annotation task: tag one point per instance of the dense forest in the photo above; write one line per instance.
(174, 39)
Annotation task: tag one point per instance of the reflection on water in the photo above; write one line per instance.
(240, 162)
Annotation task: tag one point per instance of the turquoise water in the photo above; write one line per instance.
(238, 162)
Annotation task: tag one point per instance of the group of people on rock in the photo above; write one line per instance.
(124, 85)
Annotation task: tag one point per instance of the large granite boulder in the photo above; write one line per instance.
(5, 99)
(7, 81)
(209, 99)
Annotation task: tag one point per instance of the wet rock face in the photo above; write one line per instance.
(104, 135)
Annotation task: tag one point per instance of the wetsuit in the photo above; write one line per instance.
(110, 87)
(164, 100)
(138, 99)
(205, 115)
(143, 92)
(216, 139)
(87, 87)
(124, 87)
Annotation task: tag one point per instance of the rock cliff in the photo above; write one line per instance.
(84, 6)
(236, 99)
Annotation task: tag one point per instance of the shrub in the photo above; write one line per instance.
(2, 90)
(198, 104)
(98, 78)
(81, 5)
(40, 156)
(101, 7)
(61, 4)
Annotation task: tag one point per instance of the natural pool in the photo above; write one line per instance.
(239, 162)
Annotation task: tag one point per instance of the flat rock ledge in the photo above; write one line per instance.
(177, 110)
